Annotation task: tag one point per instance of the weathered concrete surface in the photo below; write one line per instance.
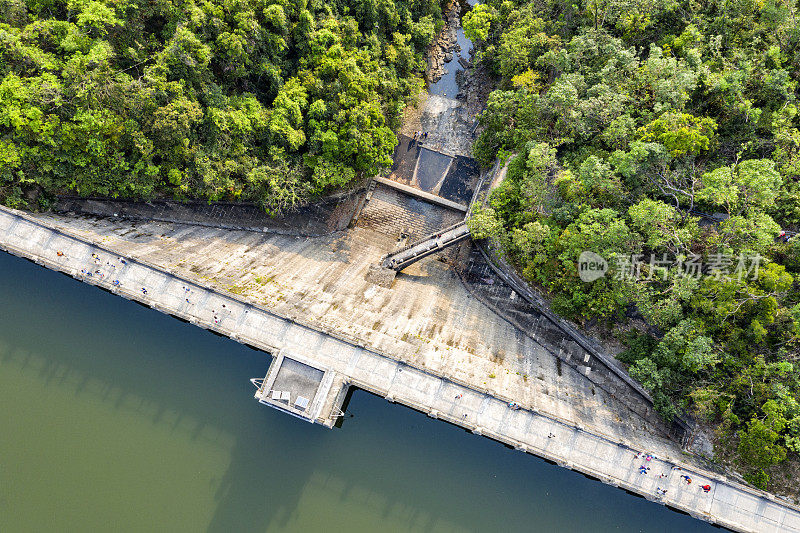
(330, 214)
(427, 319)
(395, 214)
(453, 180)
(440, 371)
(291, 378)
(448, 123)
(422, 194)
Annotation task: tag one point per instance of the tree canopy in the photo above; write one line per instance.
(629, 120)
(266, 100)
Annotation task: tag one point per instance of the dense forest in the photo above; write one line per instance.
(662, 135)
(264, 100)
(625, 122)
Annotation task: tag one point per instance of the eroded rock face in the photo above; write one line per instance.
(444, 44)
(474, 85)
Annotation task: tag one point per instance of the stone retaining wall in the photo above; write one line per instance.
(319, 218)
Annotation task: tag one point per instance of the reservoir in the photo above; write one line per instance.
(117, 417)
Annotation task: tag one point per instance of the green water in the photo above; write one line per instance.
(114, 417)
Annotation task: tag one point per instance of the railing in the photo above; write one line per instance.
(425, 247)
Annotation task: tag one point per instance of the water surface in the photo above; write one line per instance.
(447, 86)
(114, 417)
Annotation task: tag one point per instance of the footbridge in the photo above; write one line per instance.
(424, 247)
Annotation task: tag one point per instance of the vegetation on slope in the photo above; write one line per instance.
(266, 100)
(628, 117)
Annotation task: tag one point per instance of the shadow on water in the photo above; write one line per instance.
(388, 468)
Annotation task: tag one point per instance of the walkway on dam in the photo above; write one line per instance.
(601, 456)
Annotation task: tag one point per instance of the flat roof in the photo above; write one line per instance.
(295, 386)
(299, 379)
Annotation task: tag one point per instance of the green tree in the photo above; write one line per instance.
(753, 184)
(286, 116)
(681, 133)
(477, 22)
(660, 225)
(483, 223)
(758, 443)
